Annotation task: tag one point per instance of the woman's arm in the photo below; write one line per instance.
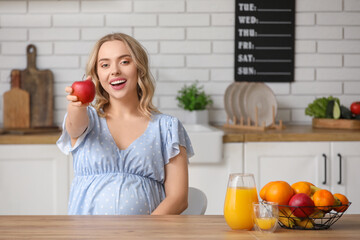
(77, 119)
(176, 186)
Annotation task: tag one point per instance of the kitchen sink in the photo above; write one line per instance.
(207, 143)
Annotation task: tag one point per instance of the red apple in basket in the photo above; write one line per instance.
(302, 205)
(84, 90)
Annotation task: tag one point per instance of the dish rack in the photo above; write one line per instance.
(240, 123)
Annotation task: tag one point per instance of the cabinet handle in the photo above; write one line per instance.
(324, 155)
(340, 163)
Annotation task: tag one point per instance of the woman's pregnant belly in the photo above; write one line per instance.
(114, 194)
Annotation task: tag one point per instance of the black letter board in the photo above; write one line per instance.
(264, 40)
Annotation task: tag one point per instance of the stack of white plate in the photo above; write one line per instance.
(242, 98)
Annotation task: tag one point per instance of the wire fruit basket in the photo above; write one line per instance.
(314, 218)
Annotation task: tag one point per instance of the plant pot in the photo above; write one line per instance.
(196, 117)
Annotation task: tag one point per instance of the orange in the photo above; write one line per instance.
(279, 192)
(264, 189)
(308, 183)
(302, 187)
(344, 201)
(323, 200)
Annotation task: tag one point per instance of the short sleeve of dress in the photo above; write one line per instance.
(64, 142)
(176, 136)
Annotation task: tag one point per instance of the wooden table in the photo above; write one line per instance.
(156, 227)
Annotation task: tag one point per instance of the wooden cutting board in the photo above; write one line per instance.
(16, 104)
(336, 123)
(39, 84)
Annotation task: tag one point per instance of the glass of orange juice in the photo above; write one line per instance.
(266, 216)
(240, 195)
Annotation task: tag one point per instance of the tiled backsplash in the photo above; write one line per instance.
(187, 40)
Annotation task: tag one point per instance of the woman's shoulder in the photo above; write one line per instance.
(92, 111)
(163, 118)
(94, 117)
(167, 122)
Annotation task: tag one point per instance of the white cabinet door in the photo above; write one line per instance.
(34, 179)
(346, 157)
(288, 161)
(212, 178)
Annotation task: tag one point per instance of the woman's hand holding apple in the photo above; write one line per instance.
(72, 98)
(81, 92)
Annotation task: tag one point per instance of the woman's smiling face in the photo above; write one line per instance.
(117, 70)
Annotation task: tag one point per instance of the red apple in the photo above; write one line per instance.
(84, 90)
(304, 201)
(355, 108)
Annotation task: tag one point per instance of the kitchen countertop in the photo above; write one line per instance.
(156, 227)
(30, 138)
(290, 133)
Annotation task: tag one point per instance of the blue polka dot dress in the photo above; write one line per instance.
(110, 181)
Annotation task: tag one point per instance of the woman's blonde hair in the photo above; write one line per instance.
(145, 84)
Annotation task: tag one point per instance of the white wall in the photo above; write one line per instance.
(187, 40)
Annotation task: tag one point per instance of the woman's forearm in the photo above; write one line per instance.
(171, 206)
(77, 120)
(176, 186)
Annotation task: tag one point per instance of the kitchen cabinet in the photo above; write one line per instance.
(288, 161)
(212, 178)
(316, 162)
(35, 176)
(34, 180)
(345, 167)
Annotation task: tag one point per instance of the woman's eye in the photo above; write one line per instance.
(125, 62)
(104, 65)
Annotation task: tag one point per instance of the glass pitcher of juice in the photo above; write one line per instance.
(240, 195)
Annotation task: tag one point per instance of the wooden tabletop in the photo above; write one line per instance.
(156, 227)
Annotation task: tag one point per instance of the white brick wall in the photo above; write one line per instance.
(187, 40)
(17, 20)
(53, 6)
(13, 7)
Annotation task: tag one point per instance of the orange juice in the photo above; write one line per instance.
(238, 209)
(266, 223)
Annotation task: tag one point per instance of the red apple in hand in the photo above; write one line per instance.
(304, 201)
(84, 90)
(355, 108)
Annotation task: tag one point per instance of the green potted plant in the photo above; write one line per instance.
(194, 101)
